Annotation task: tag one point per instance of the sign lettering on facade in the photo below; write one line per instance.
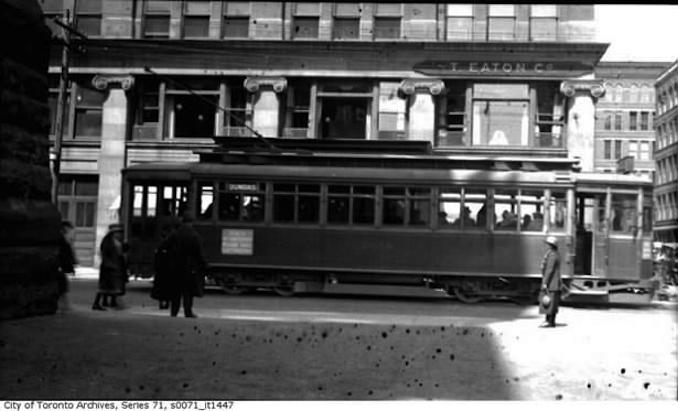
(497, 68)
(237, 242)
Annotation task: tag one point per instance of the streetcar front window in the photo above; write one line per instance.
(624, 213)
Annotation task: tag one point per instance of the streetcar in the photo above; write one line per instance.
(372, 217)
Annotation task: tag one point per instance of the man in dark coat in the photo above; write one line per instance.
(67, 262)
(551, 283)
(162, 265)
(187, 267)
(113, 268)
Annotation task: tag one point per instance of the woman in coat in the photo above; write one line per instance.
(113, 268)
(550, 285)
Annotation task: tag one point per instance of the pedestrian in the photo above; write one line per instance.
(549, 297)
(67, 262)
(162, 265)
(186, 276)
(113, 268)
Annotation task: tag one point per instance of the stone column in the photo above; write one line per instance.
(422, 111)
(266, 106)
(582, 96)
(112, 154)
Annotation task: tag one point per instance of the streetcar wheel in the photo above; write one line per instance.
(232, 289)
(284, 290)
(466, 294)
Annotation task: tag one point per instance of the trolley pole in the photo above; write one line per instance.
(61, 103)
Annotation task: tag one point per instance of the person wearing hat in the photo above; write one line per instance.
(113, 268)
(549, 297)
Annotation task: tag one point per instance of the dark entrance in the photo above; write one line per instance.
(343, 118)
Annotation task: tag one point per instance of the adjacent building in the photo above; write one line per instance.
(625, 129)
(155, 80)
(666, 156)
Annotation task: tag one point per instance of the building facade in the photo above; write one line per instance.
(156, 80)
(625, 132)
(666, 156)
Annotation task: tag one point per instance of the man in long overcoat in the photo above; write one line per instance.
(187, 267)
(551, 283)
(113, 268)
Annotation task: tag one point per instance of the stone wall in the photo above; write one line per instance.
(29, 222)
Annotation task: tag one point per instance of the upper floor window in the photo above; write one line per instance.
(500, 114)
(297, 109)
(612, 149)
(88, 110)
(618, 120)
(608, 121)
(197, 18)
(633, 120)
(188, 114)
(346, 24)
(306, 21)
(88, 17)
(644, 120)
(387, 21)
(501, 22)
(543, 22)
(237, 19)
(459, 21)
(156, 20)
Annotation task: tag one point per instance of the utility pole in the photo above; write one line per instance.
(61, 103)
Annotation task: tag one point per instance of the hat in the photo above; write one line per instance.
(551, 240)
(115, 227)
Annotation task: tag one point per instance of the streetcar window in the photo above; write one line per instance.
(337, 204)
(253, 207)
(624, 213)
(363, 204)
(557, 211)
(305, 196)
(449, 207)
(419, 202)
(242, 201)
(138, 201)
(393, 206)
(151, 200)
(283, 203)
(308, 210)
(172, 202)
(506, 209)
(205, 200)
(476, 201)
(229, 206)
(531, 210)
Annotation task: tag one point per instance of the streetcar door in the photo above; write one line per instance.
(155, 209)
(624, 234)
(592, 234)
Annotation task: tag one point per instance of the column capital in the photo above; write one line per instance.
(102, 82)
(595, 87)
(253, 84)
(411, 85)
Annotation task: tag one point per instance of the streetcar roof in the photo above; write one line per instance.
(184, 171)
(601, 179)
